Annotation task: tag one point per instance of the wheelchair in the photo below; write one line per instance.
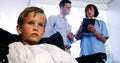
(3, 53)
(93, 58)
(55, 39)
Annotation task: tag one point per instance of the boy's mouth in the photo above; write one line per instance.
(35, 34)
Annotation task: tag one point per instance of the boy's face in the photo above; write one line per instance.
(32, 29)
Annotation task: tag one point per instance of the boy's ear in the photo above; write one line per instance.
(19, 28)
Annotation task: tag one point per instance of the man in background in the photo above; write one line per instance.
(58, 23)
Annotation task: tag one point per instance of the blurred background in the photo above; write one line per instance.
(108, 12)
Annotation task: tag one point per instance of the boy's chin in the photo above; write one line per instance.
(34, 42)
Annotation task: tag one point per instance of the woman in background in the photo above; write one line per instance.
(94, 41)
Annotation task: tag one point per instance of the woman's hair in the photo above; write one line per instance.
(95, 9)
(26, 11)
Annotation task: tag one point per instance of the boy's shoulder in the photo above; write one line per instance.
(49, 46)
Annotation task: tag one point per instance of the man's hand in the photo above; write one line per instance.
(70, 36)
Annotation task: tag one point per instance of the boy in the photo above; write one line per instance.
(31, 27)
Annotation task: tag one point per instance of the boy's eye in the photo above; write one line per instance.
(40, 24)
(30, 22)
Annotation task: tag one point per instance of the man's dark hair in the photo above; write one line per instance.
(63, 2)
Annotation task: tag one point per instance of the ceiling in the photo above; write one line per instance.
(101, 4)
(95, 1)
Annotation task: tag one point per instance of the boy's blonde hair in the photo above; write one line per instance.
(26, 11)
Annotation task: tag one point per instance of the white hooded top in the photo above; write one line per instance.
(43, 53)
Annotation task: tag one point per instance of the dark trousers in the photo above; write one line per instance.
(93, 58)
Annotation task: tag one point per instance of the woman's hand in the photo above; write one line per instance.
(98, 35)
(91, 28)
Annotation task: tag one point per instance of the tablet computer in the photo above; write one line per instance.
(85, 24)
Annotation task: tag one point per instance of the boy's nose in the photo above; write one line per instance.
(35, 28)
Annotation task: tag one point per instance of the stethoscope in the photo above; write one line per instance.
(98, 24)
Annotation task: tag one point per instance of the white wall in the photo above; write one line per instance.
(113, 14)
(9, 11)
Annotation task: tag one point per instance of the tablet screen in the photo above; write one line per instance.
(85, 24)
